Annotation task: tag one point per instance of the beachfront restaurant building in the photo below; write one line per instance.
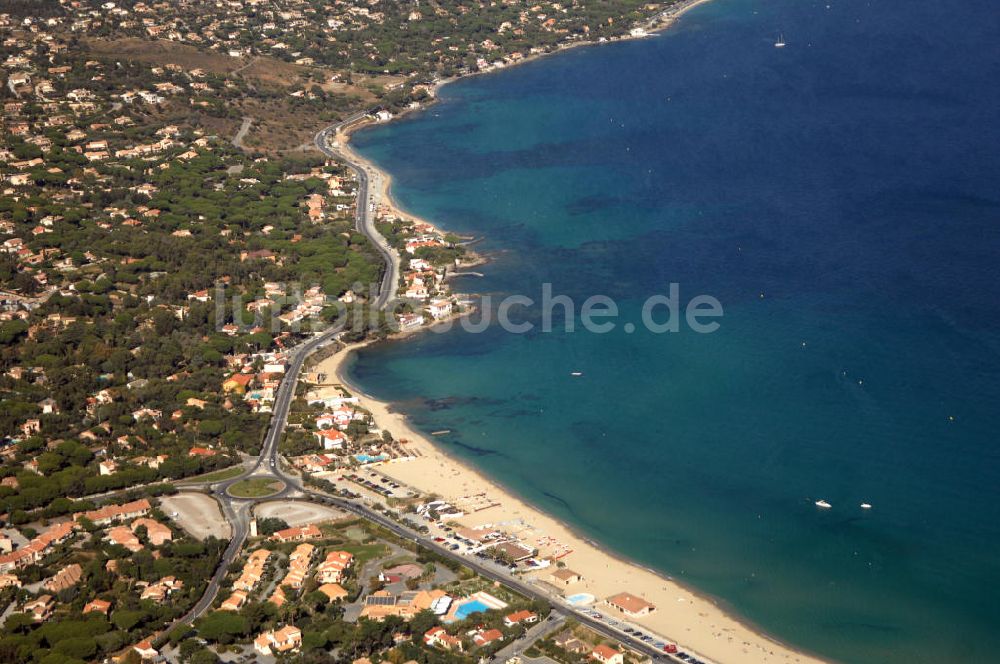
(630, 605)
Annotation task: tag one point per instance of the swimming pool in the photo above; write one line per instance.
(467, 609)
(367, 458)
(581, 599)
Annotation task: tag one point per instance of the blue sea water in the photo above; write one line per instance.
(841, 198)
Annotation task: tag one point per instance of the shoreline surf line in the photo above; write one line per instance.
(716, 631)
(698, 622)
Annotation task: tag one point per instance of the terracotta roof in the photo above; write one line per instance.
(519, 616)
(488, 636)
(630, 603)
(65, 578)
(333, 590)
(99, 605)
(114, 511)
(297, 533)
(605, 652)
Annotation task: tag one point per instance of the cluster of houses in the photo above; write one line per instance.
(126, 524)
(289, 309)
(480, 636)
(248, 28)
(280, 641)
(46, 542)
(39, 547)
(602, 652)
(250, 577)
(54, 88)
(255, 378)
(329, 572)
(332, 424)
(126, 536)
(424, 283)
(337, 446)
(162, 589)
(317, 205)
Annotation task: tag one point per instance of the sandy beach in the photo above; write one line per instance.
(694, 622)
(379, 181)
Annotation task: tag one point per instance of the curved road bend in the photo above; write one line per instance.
(237, 511)
(365, 215)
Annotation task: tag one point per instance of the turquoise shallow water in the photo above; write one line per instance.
(839, 197)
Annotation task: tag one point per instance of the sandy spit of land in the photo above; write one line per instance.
(693, 621)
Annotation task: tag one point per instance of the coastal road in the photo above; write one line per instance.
(365, 224)
(365, 214)
(482, 568)
(238, 511)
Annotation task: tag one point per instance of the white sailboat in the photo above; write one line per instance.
(781, 41)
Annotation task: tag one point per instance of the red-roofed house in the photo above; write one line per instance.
(234, 602)
(437, 636)
(332, 569)
(286, 639)
(237, 382)
(608, 655)
(299, 533)
(98, 605)
(123, 536)
(156, 532)
(65, 578)
(520, 617)
(146, 650)
(334, 591)
(630, 605)
(331, 439)
(111, 513)
(39, 609)
(487, 637)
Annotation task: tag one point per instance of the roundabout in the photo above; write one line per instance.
(256, 487)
